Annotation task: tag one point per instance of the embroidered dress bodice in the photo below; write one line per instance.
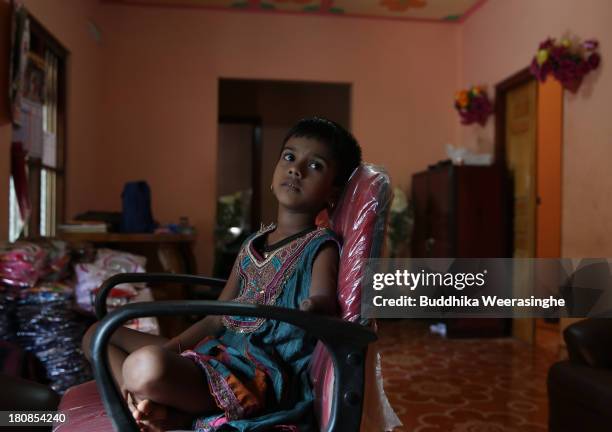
(263, 277)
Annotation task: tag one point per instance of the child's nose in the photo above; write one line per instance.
(295, 171)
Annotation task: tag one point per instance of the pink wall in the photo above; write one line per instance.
(161, 71)
(143, 103)
(67, 21)
(500, 39)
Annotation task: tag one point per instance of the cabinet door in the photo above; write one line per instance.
(420, 200)
(440, 243)
(480, 212)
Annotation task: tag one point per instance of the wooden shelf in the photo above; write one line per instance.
(127, 238)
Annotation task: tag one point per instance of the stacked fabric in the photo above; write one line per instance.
(37, 308)
(21, 263)
(49, 328)
(7, 309)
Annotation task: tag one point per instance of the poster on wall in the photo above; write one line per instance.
(34, 79)
(30, 132)
(20, 46)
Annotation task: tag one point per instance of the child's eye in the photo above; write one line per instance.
(288, 157)
(315, 165)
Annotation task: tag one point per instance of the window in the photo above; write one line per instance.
(45, 167)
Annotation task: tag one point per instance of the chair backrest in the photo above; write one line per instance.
(359, 221)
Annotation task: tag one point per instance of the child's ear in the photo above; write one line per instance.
(333, 199)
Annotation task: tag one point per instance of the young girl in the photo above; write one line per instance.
(242, 373)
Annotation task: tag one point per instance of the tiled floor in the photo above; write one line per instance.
(463, 385)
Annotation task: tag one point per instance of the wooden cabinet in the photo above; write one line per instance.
(461, 212)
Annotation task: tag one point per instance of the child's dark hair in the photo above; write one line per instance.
(343, 145)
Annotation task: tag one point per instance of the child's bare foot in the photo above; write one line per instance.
(153, 417)
(149, 410)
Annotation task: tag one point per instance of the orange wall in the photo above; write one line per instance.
(67, 21)
(500, 39)
(161, 71)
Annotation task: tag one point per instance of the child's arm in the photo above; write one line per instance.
(323, 295)
(210, 325)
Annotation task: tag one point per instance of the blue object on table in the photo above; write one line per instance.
(137, 216)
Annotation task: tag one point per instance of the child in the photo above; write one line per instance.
(242, 373)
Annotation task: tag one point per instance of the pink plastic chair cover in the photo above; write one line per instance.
(84, 410)
(359, 220)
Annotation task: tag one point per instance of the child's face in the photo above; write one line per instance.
(304, 175)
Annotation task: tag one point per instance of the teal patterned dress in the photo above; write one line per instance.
(257, 369)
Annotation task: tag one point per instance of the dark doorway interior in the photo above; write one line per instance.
(254, 116)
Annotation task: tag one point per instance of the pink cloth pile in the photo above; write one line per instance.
(22, 263)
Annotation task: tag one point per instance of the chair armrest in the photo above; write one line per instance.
(589, 342)
(110, 283)
(346, 341)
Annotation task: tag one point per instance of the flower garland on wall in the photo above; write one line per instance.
(567, 61)
(473, 105)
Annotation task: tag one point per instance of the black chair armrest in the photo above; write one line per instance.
(110, 283)
(346, 342)
(589, 342)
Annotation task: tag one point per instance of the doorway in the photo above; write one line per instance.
(254, 117)
(529, 125)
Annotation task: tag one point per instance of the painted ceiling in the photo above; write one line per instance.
(428, 10)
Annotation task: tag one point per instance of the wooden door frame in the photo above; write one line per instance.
(521, 77)
(256, 151)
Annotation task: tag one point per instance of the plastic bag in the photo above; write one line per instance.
(21, 263)
(108, 263)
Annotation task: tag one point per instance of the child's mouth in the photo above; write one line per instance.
(291, 186)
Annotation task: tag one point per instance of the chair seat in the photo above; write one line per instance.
(84, 410)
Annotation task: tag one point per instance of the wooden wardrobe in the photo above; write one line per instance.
(461, 211)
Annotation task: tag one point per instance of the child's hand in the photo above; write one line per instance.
(307, 305)
(319, 304)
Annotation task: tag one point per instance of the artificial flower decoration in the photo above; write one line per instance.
(567, 61)
(402, 5)
(473, 105)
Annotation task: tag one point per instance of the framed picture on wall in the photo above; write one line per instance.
(34, 79)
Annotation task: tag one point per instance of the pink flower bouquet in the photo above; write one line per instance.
(568, 62)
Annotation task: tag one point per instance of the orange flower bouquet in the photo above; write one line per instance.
(473, 105)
